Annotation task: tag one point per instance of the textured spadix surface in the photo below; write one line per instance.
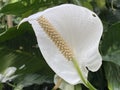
(81, 29)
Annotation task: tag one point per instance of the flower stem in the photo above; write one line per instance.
(11, 85)
(57, 84)
(86, 82)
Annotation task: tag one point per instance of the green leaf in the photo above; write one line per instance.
(113, 57)
(30, 63)
(31, 79)
(29, 6)
(77, 87)
(111, 39)
(19, 87)
(1, 86)
(83, 3)
(22, 52)
(98, 79)
(111, 14)
(112, 73)
(14, 32)
(87, 5)
(26, 64)
(14, 8)
(100, 3)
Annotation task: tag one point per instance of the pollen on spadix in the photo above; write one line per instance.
(54, 35)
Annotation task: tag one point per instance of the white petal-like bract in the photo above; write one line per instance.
(64, 85)
(81, 29)
(8, 74)
(9, 71)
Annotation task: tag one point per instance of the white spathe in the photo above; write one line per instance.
(7, 75)
(64, 85)
(81, 29)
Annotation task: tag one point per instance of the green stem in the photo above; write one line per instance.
(86, 82)
(77, 87)
(112, 2)
(11, 85)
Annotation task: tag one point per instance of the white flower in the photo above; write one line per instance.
(8, 74)
(63, 85)
(80, 28)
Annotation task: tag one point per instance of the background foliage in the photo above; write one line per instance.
(19, 47)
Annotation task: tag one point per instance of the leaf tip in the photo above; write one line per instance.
(24, 20)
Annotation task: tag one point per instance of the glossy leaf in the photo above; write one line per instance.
(113, 76)
(13, 8)
(21, 7)
(113, 57)
(98, 79)
(21, 51)
(14, 32)
(111, 39)
(83, 3)
(31, 64)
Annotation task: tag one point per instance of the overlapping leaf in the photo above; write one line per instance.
(26, 7)
(18, 48)
(111, 39)
(112, 75)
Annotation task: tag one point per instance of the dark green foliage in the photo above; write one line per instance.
(112, 75)
(18, 47)
(111, 39)
(24, 8)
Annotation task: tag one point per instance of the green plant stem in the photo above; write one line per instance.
(11, 85)
(112, 2)
(57, 84)
(85, 81)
